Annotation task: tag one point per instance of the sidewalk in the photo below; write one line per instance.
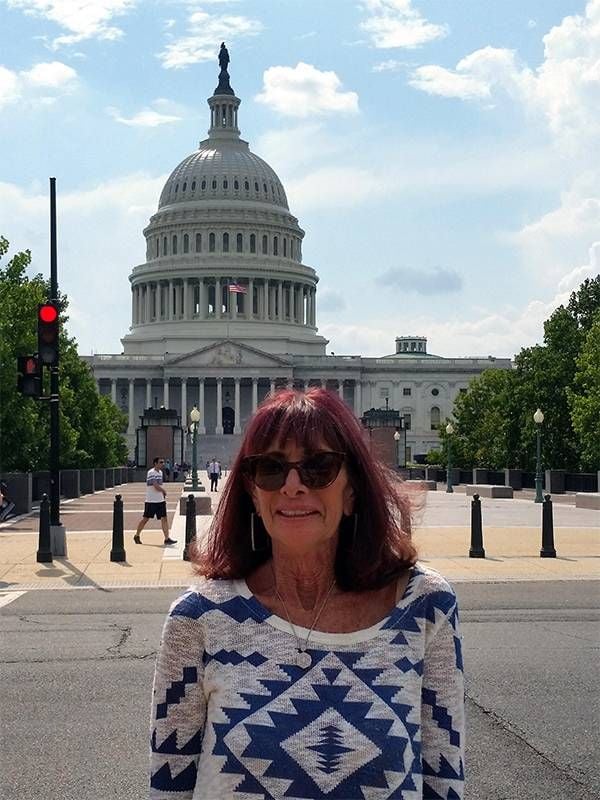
(511, 530)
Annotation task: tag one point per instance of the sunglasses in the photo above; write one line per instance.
(316, 471)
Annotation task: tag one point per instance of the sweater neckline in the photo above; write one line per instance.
(326, 637)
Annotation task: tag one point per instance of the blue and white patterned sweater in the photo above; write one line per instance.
(378, 716)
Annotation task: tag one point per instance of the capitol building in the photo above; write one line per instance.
(224, 311)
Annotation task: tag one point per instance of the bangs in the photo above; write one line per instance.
(297, 421)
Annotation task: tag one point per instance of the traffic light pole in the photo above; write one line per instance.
(59, 544)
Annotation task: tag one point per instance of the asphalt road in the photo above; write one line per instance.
(77, 671)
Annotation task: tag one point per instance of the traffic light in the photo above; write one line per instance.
(48, 334)
(29, 380)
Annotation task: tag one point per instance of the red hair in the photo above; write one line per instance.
(380, 551)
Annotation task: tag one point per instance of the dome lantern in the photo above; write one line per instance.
(224, 104)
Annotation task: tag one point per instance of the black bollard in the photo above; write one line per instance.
(476, 550)
(547, 550)
(118, 546)
(44, 553)
(190, 525)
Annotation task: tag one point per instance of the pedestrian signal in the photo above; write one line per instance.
(48, 334)
(29, 379)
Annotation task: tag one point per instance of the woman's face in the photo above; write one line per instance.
(299, 518)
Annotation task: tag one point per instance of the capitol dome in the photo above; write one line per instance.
(223, 253)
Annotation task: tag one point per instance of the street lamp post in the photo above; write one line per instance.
(538, 418)
(397, 440)
(194, 419)
(449, 431)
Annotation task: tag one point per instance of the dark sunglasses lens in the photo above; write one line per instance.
(268, 473)
(321, 469)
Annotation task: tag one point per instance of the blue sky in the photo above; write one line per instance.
(440, 155)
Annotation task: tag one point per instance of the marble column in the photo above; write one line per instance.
(272, 390)
(147, 308)
(170, 301)
(265, 314)
(184, 412)
(166, 394)
(148, 393)
(237, 428)
(249, 300)
(201, 300)
(201, 408)
(280, 300)
(357, 398)
(218, 301)
(133, 306)
(185, 299)
(341, 389)
(219, 427)
(254, 394)
(113, 390)
(131, 423)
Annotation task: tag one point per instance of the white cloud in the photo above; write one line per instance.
(564, 90)
(33, 85)
(82, 18)
(162, 112)
(303, 90)
(204, 30)
(94, 268)
(391, 65)
(438, 280)
(395, 23)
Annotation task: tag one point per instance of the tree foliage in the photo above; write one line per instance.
(494, 417)
(90, 424)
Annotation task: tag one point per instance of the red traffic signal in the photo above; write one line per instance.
(48, 334)
(29, 379)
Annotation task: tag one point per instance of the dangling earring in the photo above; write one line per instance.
(252, 539)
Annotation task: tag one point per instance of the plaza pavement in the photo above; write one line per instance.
(511, 533)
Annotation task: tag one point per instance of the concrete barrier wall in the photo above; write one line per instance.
(514, 478)
(109, 479)
(40, 484)
(20, 490)
(70, 483)
(555, 481)
(99, 479)
(480, 475)
(86, 481)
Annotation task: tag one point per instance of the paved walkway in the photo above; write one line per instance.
(512, 541)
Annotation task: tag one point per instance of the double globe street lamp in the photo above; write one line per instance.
(194, 419)
(449, 431)
(538, 418)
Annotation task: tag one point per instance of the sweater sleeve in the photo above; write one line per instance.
(443, 713)
(178, 703)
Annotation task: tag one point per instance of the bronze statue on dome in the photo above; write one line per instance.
(223, 57)
(224, 86)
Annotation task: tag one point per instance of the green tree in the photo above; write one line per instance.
(584, 399)
(90, 425)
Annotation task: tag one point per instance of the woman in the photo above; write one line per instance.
(315, 659)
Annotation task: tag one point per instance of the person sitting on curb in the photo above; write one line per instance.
(156, 503)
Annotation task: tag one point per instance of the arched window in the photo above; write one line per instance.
(264, 188)
(214, 184)
(265, 245)
(186, 243)
(225, 242)
(435, 418)
(198, 242)
(275, 245)
(193, 186)
(239, 242)
(256, 186)
(157, 247)
(174, 245)
(203, 185)
(164, 245)
(246, 185)
(291, 247)
(284, 247)
(184, 187)
(176, 188)
(236, 184)
(253, 243)
(225, 184)
(211, 242)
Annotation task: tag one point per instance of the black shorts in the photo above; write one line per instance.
(158, 510)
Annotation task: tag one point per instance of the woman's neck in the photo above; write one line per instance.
(303, 580)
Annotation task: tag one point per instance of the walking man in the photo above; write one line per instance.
(213, 474)
(156, 503)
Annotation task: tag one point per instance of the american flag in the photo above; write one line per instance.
(237, 288)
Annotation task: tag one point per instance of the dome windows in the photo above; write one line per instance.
(211, 243)
(265, 188)
(225, 184)
(164, 245)
(236, 184)
(157, 247)
(198, 242)
(225, 242)
(265, 245)
(239, 243)
(176, 188)
(203, 184)
(214, 183)
(256, 186)
(193, 186)
(184, 187)
(247, 185)
(284, 247)
(186, 243)
(174, 245)
(275, 245)
(253, 243)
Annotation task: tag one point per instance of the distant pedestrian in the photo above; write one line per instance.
(167, 469)
(213, 474)
(156, 503)
(176, 469)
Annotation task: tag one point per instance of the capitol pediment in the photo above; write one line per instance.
(228, 353)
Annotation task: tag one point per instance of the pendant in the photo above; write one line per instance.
(303, 659)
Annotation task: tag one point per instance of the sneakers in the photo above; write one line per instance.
(170, 541)
(137, 539)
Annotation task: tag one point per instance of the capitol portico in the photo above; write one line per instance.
(224, 311)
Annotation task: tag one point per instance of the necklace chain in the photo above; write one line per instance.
(302, 649)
